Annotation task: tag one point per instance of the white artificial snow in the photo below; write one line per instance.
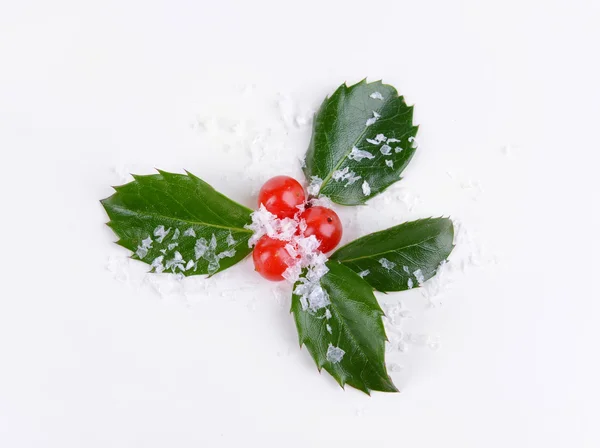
(378, 140)
(176, 234)
(386, 150)
(329, 330)
(387, 264)
(141, 252)
(177, 262)
(376, 96)
(230, 241)
(419, 276)
(398, 149)
(364, 273)
(410, 283)
(189, 232)
(172, 246)
(163, 251)
(201, 247)
(314, 186)
(371, 121)
(366, 188)
(266, 223)
(390, 163)
(349, 176)
(226, 254)
(161, 233)
(334, 354)
(142, 249)
(157, 264)
(327, 314)
(413, 142)
(190, 264)
(359, 154)
(393, 140)
(405, 268)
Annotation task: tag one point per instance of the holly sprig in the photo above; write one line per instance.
(362, 139)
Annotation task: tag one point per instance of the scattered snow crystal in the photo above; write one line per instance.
(160, 233)
(419, 276)
(386, 264)
(376, 96)
(189, 232)
(390, 163)
(142, 250)
(172, 246)
(346, 175)
(386, 150)
(359, 154)
(371, 121)
(334, 354)
(176, 234)
(364, 273)
(329, 330)
(314, 186)
(157, 264)
(410, 283)
(230, 240)
(366, 188)
(176, 262)
(393, 140)
(200, 247)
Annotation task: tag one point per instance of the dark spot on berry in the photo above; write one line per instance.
(329, 220)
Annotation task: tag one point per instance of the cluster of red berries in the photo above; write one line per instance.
(282, 196)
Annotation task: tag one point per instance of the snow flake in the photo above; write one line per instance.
(226, 254)
(359, 154)
(329, 330)
(172, 246)
(398, 149)
(190, 232)
(371, 121)
(176, 262)
(376, 96)
(366, 188)
(176, 234)
(142, 249)
(314, 186)
(405, 268)
(334, 354)
(390, 163)
(349, 176)
(364, 273)
(230, 240)
(190, 264)
(386, 150)
(161, 233)
(410, 283)
(387, 264)
(419, 276)
(413, 142)
(393, 140)
(157, 264)
(201, 247)
(327, 314)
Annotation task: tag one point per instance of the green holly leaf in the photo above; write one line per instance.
(363, 138)
(178, 223)
(401, 257)
(344, 333)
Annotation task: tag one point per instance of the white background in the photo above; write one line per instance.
(93, 353)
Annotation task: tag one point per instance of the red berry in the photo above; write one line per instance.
(271, 258)
(325, 225)
(281, 195)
